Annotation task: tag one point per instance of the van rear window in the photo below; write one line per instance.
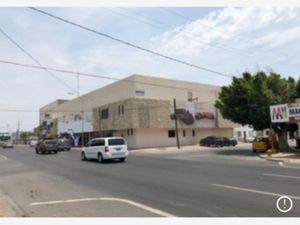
(116, 142)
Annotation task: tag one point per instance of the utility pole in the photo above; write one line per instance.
(176, 126)
(18, 131)
(82, 115)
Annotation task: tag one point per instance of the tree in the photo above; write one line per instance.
(247, 101)
(25, 136)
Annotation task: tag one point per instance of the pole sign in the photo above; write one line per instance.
(285, 113)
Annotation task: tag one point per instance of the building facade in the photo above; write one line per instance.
(141, 109)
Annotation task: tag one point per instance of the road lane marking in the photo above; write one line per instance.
(254, 191)
(136, 204)
(279, 175)
(3, 157)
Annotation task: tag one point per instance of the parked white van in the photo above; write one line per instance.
(105, 148)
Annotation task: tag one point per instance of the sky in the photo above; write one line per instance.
(227, 40)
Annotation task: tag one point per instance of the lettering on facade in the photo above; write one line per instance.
(139, 92)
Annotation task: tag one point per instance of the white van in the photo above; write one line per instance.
(105, 148)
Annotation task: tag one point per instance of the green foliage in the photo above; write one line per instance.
(247, 100)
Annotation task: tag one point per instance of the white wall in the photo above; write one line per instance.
(148, 138)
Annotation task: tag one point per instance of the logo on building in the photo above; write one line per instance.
(279, 113)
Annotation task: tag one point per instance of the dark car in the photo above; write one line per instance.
(64, 145)
(229, 141)
(47, 146)
(218, 141)
(212, 141)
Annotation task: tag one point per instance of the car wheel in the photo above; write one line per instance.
(83, 157)
(100, 158)
(37, 152)
(254, 151)
(55, 152)
(122, 159)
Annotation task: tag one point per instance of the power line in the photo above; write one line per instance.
(217, 30)
(217, 46)
(101, 76)
(35, 60)
(130, 44)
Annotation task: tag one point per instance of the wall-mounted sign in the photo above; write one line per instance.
(285, 113)
(139, 92)
(194, 114)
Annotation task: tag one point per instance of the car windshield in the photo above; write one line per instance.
(116, 142)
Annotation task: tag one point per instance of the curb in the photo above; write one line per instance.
(279, 160)
(13, 207)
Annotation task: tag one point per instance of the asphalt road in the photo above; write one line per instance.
(205, 183)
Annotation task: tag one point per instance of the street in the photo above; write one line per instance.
(211, 182)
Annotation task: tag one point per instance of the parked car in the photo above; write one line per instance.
(64, 145)
(33, 143)
(105, 148)
(212, 141)
(218, 141)
(7, 145)
(47, 146)
(261, 144)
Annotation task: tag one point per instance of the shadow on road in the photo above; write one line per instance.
(237, 152)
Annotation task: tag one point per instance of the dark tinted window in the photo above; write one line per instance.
(171, 133)
(116, 142)
(98, 143)
(104, 114)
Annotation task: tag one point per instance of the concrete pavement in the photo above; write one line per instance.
(209, 182)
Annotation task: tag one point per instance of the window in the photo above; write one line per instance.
(131, 130)
(128, 132)
(104, 114)
(122, 109)
(171, 133)
(98, 142)
(119, 109)
(193, 133)
(116, 141)
(183, 133)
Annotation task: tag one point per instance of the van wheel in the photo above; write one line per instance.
(100, 158)
(83, 157)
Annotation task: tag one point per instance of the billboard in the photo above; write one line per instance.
(194, 115)
(285, 113)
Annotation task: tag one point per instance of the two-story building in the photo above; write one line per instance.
(141, 109)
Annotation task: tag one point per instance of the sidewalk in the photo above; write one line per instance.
(7, 206)
(285, 157)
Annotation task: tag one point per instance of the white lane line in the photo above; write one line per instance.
(147, 208)
(279, 175)
(254, 191)
(3, 157)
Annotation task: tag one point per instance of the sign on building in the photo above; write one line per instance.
(194, 115)
(285, 113)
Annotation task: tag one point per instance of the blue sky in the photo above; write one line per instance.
(229, 40)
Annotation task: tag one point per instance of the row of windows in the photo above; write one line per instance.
(172, 133)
